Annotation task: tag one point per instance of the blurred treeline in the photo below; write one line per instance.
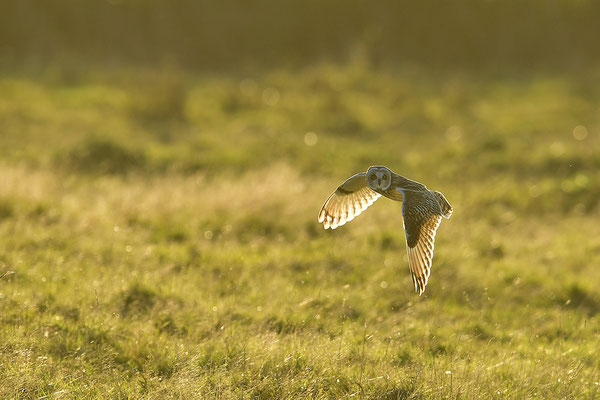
(229, 34)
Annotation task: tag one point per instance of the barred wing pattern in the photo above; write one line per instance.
(420, 225)
(350, 199)
(422, 212)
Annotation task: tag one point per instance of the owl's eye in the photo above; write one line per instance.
(372, 177)
(385, 178)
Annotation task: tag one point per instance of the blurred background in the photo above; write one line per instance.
(231, 35)
(162, 164)
(171, 85)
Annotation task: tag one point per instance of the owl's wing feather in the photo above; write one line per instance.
(350, 199)
(420, 226)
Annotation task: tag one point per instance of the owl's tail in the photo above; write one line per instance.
(444, 204)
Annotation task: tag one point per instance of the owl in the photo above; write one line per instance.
(422, 210)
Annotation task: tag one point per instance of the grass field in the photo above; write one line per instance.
(158, 236)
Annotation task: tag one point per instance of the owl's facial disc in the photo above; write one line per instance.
(379, 178)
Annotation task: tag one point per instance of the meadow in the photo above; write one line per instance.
(159, 235)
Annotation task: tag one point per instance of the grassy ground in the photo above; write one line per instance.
(158, 236)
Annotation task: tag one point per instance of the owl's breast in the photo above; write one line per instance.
(393, 192)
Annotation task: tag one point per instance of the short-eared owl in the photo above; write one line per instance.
(422, 210)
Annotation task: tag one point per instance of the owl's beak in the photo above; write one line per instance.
(379, 182)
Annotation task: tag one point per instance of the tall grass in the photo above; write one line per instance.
(235, 35)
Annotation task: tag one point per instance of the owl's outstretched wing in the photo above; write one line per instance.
(420, 226)
(349, 199)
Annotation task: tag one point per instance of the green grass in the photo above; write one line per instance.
(158, 236)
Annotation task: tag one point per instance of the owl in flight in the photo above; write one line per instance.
(422, 210)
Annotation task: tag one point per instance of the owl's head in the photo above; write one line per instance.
(379, 178)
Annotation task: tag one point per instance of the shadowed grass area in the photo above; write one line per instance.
(180, 257)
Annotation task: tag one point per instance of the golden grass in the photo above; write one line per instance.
(168, 279)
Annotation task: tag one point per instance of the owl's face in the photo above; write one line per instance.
(379, 178)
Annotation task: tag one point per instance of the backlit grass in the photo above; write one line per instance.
(158, 237)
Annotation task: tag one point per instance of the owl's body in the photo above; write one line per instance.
(422, 210)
